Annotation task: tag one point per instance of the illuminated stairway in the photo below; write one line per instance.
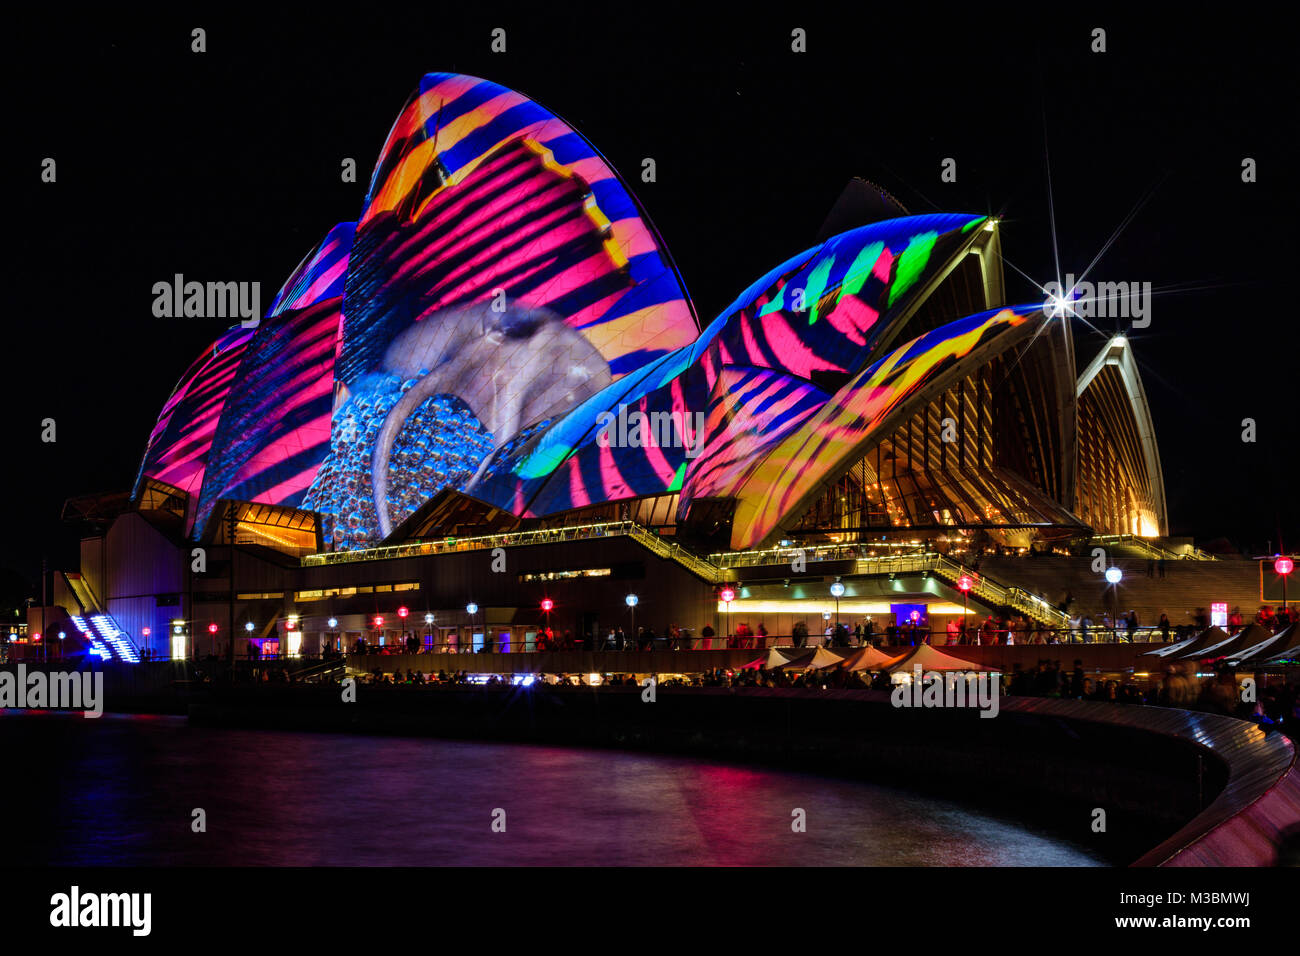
(107, 640)
(116, 638)
(96, 644)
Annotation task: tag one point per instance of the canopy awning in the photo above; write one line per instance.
(1284, 640)
(1210, 637)
(779, 657)
(825, 658)
(929, 659)
(1229, 645)
(1287, 650)
(1174, 648)
(869, 659)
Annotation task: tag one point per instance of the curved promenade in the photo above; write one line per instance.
(1178, 787)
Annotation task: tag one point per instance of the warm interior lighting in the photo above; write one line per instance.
(814, 608)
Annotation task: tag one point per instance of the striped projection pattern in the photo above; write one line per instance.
(767, 361)
(479, 197)
(503, 320)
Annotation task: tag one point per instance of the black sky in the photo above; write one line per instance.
(225, 165)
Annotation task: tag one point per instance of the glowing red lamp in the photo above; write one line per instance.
(547, 604)
(402, 612)
(379, 621)
(1283, 565)
(727, 595)
(212, 628)
(965, 583)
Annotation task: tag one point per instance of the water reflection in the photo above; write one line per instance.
(121, 790)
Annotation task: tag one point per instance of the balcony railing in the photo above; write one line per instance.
(519, 539)
(1150, 548)
(511, 539)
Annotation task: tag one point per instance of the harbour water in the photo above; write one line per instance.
(122, 790)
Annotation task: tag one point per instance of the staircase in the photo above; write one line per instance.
(121, 645)
(96, 644)
(1133, 546)
(107, 640)
(674, 552)
(322, 671)
(996, 594)
(985, 589)
(1186, 586)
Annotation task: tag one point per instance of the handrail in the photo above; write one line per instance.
(1011, 596)
(705, 569)
(477, 543)
(517, 539)
(833, 552)
(320, 669)
(1153, 550)
(982, 587)
(91, 606)
(692, 641)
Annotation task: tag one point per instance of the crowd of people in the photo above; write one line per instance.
(1005, 627)
(1277, 707)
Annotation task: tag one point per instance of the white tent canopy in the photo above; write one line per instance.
(825, 658)
(929, 660)
(779, 657)
(868, 659)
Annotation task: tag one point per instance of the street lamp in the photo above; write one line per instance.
(1114, 576)
(964, 584)
(631, 601)
(1284, 566)
(727, 595)
(547, 606)
(472, 609)
(826, 619)
(837, 589)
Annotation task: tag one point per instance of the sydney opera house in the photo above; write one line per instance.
(489, 405)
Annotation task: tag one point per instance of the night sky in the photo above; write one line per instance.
(225, 166)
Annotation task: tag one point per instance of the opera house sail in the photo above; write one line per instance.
(501, 340)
